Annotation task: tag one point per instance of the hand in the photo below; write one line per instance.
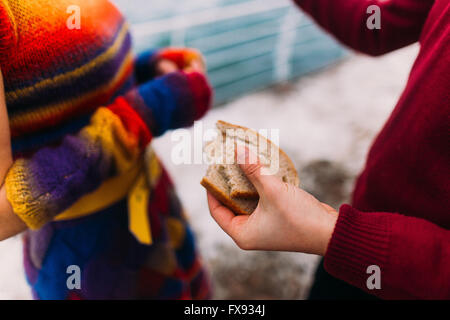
(174, 59)
(6, 159)
(10, 223)
(286, 218)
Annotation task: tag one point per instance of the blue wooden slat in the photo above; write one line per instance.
(244, 52)
(238, 35)
(242, 69)
(219, 27)
(243, 86)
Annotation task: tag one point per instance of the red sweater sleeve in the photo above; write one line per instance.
(413, 254)
(401, 22)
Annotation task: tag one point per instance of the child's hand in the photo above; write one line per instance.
(175, 59)
(10, 223)
(6, 159)
(165, 66)
(286, 219)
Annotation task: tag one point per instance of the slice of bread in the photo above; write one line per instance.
(215, 183)
(225, 179)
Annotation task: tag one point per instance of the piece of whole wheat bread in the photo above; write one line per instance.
(225, 179)
(240, 186)
(216, 184)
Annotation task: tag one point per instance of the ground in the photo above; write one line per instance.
(326, 120)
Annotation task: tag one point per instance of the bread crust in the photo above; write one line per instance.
(222, 197)
(232, 200)
(244, 194)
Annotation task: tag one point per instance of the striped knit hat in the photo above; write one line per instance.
(53, 73)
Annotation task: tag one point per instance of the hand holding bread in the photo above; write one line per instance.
(226, 180)
(283, 217)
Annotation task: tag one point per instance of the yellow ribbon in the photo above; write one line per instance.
(138, 220)
(134, 184)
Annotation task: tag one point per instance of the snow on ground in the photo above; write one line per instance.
(326, 121)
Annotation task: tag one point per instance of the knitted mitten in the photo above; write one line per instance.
(146, 63)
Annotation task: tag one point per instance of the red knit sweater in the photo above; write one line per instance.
(400, 218)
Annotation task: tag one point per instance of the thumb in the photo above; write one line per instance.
(250, 165)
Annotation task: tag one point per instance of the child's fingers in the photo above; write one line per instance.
(182, 57)
(196, 66)
(166, 66)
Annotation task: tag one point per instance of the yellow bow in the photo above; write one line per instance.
(136, 185)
